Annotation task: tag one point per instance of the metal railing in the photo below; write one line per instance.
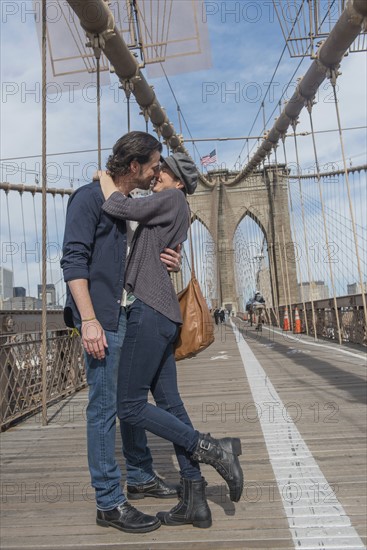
(21, 387)
(351, 317)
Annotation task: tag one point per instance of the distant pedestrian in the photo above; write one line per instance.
(216, 316)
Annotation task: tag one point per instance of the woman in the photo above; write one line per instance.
(147, 358)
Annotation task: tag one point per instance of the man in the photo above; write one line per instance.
(93, 263)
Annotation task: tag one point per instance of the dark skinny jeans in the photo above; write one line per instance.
(148, 363)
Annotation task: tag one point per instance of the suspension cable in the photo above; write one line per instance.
(333, 78)
(294, 124)
(298, 66)
(58, 236)
(287, 276)
(274, 73)
(9, 231)
(44, 213)
(295, 237)
(25, 242)
(97, 53)
(36, 231)
(309, 108)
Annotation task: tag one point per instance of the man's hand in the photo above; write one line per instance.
(172, 258)
(94, 339)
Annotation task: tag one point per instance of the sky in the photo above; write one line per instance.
(246, 43)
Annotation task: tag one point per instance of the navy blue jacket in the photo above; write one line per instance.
(94, 248)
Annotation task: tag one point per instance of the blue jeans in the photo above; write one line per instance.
(147, 363)
(101, 428)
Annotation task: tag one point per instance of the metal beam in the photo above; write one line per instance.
(329, 55)
(97, 20)
(33, 189)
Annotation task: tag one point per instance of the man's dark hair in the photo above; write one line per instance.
(132, 146)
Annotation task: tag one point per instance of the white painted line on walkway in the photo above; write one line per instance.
(303, 488)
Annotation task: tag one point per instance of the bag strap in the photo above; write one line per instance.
(193, 276)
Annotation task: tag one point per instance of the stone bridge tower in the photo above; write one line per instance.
(262, 196)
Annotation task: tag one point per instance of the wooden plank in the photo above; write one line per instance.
(47, 501)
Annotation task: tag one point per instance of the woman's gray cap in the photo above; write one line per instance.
(184, 169)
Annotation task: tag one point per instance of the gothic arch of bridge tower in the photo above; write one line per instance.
(264, 197)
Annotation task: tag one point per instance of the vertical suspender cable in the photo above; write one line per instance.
(287, 289)
(272, 278)
(203, 262)
(9, 230)
(64, 222)
(273, 282)
(128, 112)
(287, 276)
(128, 87)
(197, 246)
(193, 217)
(36, 230)
(285, 255)
(44, 216)
(333, 83)
(63, 209)
(58, 242)
(50, 274)
(309, 108)
(294, 236)
(25, 242)
(97, 53)
(294, 125)
(273, 263)
(282, 273)
(311, 34)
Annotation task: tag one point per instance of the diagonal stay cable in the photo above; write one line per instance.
(273, 76)
(294, 73)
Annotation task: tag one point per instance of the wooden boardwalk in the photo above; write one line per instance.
(311, 421)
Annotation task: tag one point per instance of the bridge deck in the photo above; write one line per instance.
(305, 478)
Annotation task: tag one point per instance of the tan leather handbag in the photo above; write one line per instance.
(197, 330)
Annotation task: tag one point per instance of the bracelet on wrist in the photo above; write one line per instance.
(89, 319)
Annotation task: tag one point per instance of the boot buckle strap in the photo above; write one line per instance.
(205, 445)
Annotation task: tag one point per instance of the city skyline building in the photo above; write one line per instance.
(19, 292)
(355, 288)
(314, 290)
(50, 294)
(6, 283)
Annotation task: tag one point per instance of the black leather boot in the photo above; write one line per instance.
(222, 454)
(192, 507)
(156, 488)
(127, 518)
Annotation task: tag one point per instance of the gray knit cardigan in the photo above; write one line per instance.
(164, 222)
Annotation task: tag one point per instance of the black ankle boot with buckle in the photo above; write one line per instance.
(222, 454)
(192, 508)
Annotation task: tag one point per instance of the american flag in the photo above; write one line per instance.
(209, 159)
